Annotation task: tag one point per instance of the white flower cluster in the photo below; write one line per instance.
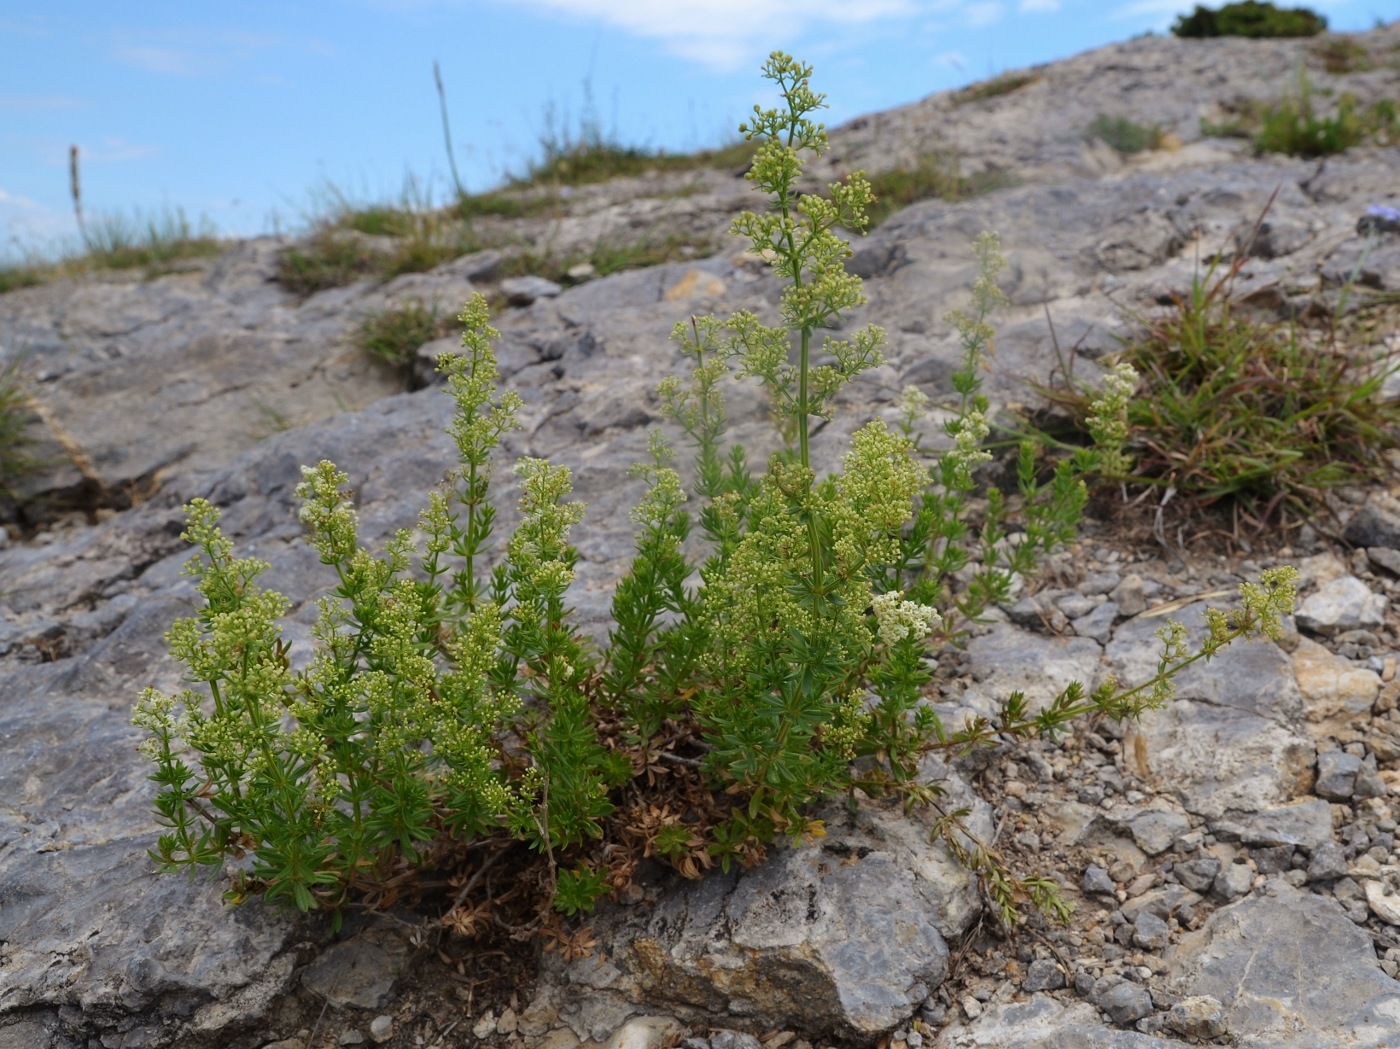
(1107, 418)
(967, 450)
(899, 619)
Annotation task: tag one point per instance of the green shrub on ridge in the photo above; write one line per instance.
(1250, 18)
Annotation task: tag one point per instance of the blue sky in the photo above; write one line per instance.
(239, 113)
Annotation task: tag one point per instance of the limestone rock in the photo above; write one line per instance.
(1376, 524)
(1044, 1023)
(1230, 740)
(1007, 660)
(1155, 830)
(1198, 1017)
(1124, 1001)
(1343, 604)
(1290, 969)
(359, 970)
(1307, 824)
(1332, 687)
(1336, 775)
(522, 291)
(846, 935)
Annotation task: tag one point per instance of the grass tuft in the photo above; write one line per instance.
(1124, 135)
(1293, 126)
(997, 86)
(934, 176)
(1340, 55)
(22, 275)
(608, 256)
(417, 237)
(589, 161)
(1232, 412)
(330, 259)
(155, 242)
(394, 335)
(116, 242)
(15, 413)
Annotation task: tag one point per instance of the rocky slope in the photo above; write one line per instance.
(1233, 857)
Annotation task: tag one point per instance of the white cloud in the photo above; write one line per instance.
(113, 150)
(32, 102)
(187, 52)
(31, 30)
(1161, 8)
(1027, 7)
(158, 59)
(31, 230)
(981, 15)
(953, 59)
(728, 34)
(13, 200)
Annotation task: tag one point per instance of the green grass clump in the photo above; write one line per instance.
(997, 86)
(577, 163)
(1124, 135)
(394, 335)
(329, 259)
(337, 253)
(156, 242)
(1251, 19)
(1340, 55)
(15, 415)
(1232, 413)
(116, 242)
(609, 255)
(934, 176)
(23, 275)
(613, 256)
(379, 220)
(1293, 127)
(498, 204)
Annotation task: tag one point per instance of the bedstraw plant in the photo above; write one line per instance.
(452, 716)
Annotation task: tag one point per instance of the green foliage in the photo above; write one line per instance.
(449, 712)
(25, 275)
(118, 242)
(1250, 18)
(1340, 55)
(1291, 126)
(157, 242)
(329, 259)
(588, 154)
(1224, 410)
(609, 255)
(394, 335)
(15, 415)
(335, 256)
(614, 256)
(505, 205)
(997, 86)
(351, 242)
(1125, 135)
(934, 175)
